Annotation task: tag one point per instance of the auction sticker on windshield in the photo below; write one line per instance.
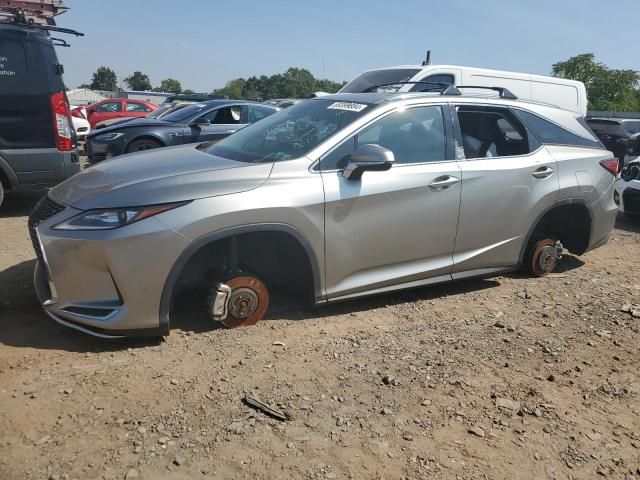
(349, 106)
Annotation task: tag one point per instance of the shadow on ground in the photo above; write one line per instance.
(628, 223)
(20, 204)
(190, 313)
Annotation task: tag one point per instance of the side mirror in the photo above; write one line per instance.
(368, 158)
(201, 122)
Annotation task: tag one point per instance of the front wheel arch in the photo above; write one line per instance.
(171, 283)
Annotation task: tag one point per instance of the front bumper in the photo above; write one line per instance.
(97, 150)
(106, 283)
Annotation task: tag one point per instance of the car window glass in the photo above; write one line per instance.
(137, 107)
(550, 133)
(414, 135)
(631, 127)
(492, 132)
(379, 77)
(438, 83)
(224, 116)
(257, 112)
(110, 107)
(13, 60)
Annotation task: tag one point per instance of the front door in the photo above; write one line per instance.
(224, 122)
(508, 180)
(397, 227)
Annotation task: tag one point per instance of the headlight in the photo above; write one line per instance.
(107, 137)
(110, 218)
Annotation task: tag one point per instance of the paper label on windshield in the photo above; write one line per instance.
(349, 106)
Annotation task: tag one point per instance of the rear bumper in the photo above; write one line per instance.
(631, 201)
(44, 167)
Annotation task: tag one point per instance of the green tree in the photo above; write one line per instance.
(104, 79)
(138, 81)
(188, 91)
(233, 88)
(169, 85)
(607, 89)
(85, 85)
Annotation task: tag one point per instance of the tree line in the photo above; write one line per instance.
(294, 83)
(608, 89)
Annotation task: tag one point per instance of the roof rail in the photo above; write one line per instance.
(502, 92)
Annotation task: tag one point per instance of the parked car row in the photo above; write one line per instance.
(620, 135)
(201, 122)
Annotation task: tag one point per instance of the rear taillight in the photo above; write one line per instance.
(61, 122)
(611, 165)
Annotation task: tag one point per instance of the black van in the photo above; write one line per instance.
(37, 139)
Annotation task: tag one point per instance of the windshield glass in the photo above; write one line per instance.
(290, 133)
(631, 127)
(379, 77)
(605, 126)
(186, 113)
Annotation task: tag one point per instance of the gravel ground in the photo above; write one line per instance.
(504, 378)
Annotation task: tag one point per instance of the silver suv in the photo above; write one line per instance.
(331, 199)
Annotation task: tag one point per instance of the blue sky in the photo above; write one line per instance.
(205, 43)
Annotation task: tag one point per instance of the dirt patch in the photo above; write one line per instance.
(510, 377)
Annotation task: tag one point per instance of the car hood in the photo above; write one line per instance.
(132, 123)
(157, 176)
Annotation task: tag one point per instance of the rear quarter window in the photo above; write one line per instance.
(551, 134)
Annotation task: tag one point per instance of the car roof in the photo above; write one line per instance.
(222, 103)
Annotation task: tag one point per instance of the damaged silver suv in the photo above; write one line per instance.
(333, 198)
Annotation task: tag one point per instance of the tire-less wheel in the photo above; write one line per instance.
(143, 144)
(544, 257)
(247, 303)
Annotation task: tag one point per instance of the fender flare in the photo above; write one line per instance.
(196, 245)
(560, 203)
(8, 173)
(140, 137)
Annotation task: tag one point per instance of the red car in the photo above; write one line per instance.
(117, 108)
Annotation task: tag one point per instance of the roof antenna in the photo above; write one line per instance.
(427, 61)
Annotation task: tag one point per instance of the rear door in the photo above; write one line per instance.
(396, 227)
(508, 180)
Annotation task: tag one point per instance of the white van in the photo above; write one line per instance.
(566, 94)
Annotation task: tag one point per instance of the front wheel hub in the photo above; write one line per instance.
(245, 302)
(545, 256)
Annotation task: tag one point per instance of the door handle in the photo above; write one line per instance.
(443, 182)
(543, 172)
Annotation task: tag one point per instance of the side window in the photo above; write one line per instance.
(439, 82)
(137, 107)
(414, 135)
(493, 132)
(553, 134)
(225, 115)
(257, 112)
(110, 107)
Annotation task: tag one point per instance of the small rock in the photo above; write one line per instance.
(507, 404)
(236, 427)
(537, 412)
(179, 460)
(55, 476)
(477, 431)
(131, 474)
(426, 403)
(142, 430)
(602, 471)
(551, 378)
(594, 436)
(524, 294)
(387, 411)
(389, 380)
(43, 440)
(278, 344)
(407, 436)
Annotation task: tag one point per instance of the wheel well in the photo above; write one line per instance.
(144, 137)
(571, 224)
(276, 257)
(6, 184)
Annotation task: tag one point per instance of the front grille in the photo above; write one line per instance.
(631, 200)
(44, 209)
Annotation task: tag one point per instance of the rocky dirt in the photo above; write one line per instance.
(504, 378)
